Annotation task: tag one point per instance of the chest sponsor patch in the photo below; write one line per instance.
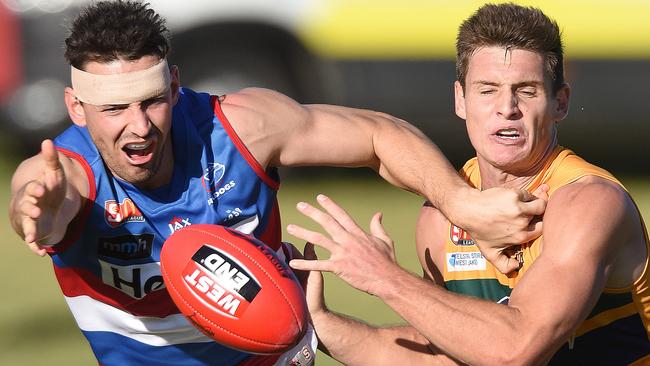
(126, 246)
(117, 213)
(465, 261)
(459, 236)
(135, 280)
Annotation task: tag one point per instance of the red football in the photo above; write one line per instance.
(234, 288)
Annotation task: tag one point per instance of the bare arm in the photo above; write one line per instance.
(45, 197)
(280, 132)
(583, 225)
(354, 342)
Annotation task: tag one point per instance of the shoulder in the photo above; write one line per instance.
(589, 192)
(257, 100)
(590, 210)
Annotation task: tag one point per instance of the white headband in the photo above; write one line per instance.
(123, 88)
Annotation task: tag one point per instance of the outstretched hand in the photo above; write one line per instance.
(37, 204)
(504, 219)
(359, 258)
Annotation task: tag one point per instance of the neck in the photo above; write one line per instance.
(492, 176)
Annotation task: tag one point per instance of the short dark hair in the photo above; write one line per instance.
(108, 30)
(513, 27)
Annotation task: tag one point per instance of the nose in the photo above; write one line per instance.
(139, 123)
(508, 105)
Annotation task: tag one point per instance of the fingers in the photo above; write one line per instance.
(312, 237)
(542, 192)
(325, 220)
(50, 155)
(506, 264)
(310, 265)
(535, 207)
(29, 229)
(377, 229)
(339, 214)
(36, 249)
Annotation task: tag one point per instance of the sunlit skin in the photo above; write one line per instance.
(511, 114)
(133, 139)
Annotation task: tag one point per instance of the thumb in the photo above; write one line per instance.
(532, 207)
(377, 229)
(542, 192)
(314, 291)
(505, 263)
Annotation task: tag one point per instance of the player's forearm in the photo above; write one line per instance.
(474, 331)
(353, 342)
(408, 159)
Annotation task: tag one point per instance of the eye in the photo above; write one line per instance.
(113, 110)
(153, 101)
(528, 92)
(487, 91)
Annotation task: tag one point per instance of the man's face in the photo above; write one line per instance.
(133, 139)
(510, 109)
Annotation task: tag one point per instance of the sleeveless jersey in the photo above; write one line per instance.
(617, 330)
(108, 264)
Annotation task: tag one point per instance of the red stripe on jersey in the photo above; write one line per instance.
(243, 150)
(272, 235)
(260, 361)
(80, 282)
(76, 226)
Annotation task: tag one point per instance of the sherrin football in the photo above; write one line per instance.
(234, 289)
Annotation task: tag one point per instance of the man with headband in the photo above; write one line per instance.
(146, 157)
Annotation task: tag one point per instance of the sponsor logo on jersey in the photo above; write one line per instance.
(220, 191)
(465, 261)
(136, 280)
(126, 246)
(117, 214)
(460, 237)
(178, 223)
(220, 281)
(212, 175)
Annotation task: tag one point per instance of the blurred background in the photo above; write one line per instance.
(392, 56)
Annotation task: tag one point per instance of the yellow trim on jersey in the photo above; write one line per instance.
(605, 318)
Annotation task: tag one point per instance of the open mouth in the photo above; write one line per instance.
(139, 153)
(508, 133)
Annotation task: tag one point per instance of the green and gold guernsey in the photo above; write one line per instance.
(618, 329)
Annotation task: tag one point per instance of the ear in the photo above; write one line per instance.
(75, 108)
(175, 83)
(562, 97)
(459, 100)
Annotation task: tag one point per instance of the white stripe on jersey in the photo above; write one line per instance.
(95, 316)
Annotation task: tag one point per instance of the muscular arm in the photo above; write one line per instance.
(280, 132)
(46, 192)
(584, 224)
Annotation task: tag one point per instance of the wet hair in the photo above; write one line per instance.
(511, 26)
(109, 30)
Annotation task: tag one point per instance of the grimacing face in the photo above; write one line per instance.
(133, 139)
(510, 109)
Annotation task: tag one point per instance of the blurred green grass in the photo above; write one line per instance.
(36, 327)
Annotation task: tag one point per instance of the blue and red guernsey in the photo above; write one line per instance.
(108, 265)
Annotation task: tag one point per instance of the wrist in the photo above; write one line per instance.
(457, 205)
(392, 283)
